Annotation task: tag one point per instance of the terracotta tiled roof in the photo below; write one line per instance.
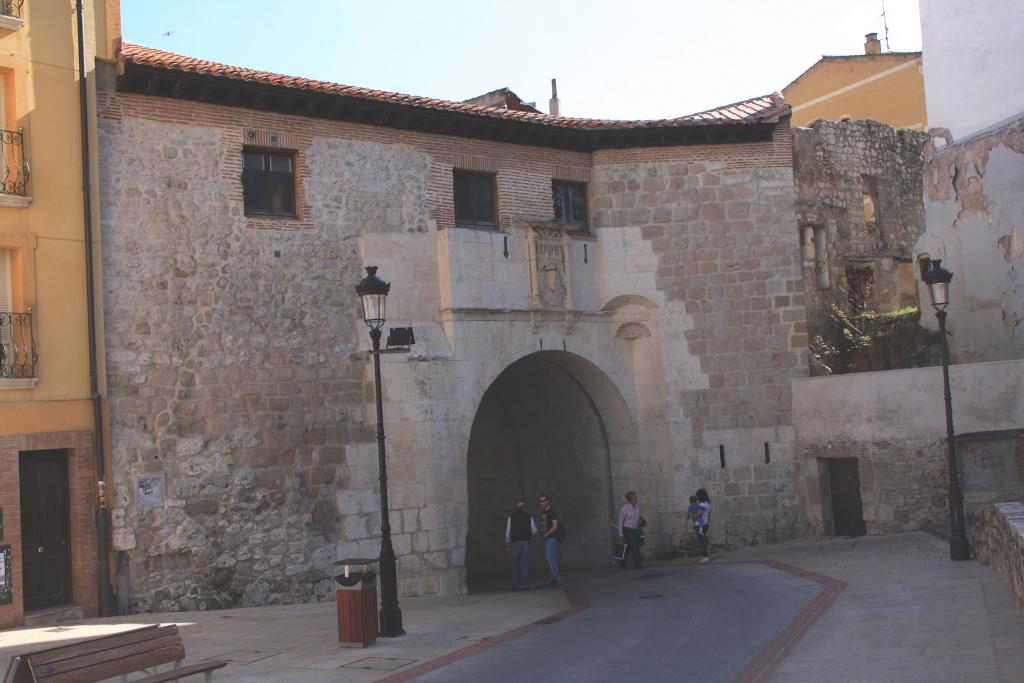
(764, 109)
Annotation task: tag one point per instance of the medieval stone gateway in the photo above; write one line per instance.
(645, 338)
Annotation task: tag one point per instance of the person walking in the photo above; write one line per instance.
(554, 533)
(703, 523)
(519, 531)
(630, 530)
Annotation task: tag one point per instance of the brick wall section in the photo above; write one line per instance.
(82, 511)
(524, 178)
(720, 219)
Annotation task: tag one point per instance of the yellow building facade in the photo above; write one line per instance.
(48, 466)
(886, 87)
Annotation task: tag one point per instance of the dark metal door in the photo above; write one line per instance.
(847, 508)
(46, 547)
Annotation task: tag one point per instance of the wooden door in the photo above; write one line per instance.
(46, 542)
(847, 508)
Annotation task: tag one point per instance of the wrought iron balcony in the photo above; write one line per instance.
(14, 169)
(11, 8)
(18, 356)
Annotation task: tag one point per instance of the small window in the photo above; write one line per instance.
(268, 183)
(870, 214)
(570, 203)
(474, 199)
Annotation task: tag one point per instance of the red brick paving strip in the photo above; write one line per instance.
(577, 603)
(765, 661)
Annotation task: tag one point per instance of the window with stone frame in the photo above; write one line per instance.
(570, 201)
(474, 199)
(268, 182)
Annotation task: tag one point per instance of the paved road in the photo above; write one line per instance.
(673, 624)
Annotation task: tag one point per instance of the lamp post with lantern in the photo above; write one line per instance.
(937, 279)
(373, 293)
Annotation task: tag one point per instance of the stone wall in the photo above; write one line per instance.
(894, 424)
(836, 165)
(243, 424)
(997, 534)
(720, 230)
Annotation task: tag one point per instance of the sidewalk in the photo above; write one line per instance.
(907, 614)
(300, 642)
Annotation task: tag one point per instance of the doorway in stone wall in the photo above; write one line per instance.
(847, 507)
(551, 423)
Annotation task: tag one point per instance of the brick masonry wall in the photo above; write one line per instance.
(720, 221)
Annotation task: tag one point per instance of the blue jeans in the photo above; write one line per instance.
(550, 548)
(520, 563)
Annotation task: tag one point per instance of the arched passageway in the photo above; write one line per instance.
(551, 423)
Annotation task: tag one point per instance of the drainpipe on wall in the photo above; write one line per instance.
(107, 599)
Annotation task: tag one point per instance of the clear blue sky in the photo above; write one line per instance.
(612, 59)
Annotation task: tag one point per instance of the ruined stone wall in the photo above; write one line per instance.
(975, 212)
(835, 164)
(719, 223)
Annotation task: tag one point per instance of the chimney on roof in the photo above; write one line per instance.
(872, 45)
(553, 102)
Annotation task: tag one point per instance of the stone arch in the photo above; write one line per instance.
(552, 422)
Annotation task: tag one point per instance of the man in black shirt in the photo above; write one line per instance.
(519, 531)
(554, 534)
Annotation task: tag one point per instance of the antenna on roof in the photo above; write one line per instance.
(885, 25)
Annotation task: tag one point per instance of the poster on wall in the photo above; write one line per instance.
(149, 490)
(6, 577)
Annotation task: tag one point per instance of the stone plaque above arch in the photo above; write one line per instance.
(548, 246)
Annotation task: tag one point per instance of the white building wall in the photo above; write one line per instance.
(973, 63)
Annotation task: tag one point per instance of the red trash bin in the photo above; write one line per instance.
(356, 596)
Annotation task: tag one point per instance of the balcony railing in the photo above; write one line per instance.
(18, 355)
(11, 8)
(14, 169)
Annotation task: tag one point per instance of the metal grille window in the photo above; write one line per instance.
(474, 199)
(268, 183)
(570, 203)
(17, 343)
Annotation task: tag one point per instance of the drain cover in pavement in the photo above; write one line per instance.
(652, 595)
(247, 656)
(378, 663)
(646, 577)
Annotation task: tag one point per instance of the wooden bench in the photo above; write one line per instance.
(97, 659)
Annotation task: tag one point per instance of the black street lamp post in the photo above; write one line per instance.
(938, 278)
(373, 293)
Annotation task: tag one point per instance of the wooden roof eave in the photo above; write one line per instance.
(170, 83)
